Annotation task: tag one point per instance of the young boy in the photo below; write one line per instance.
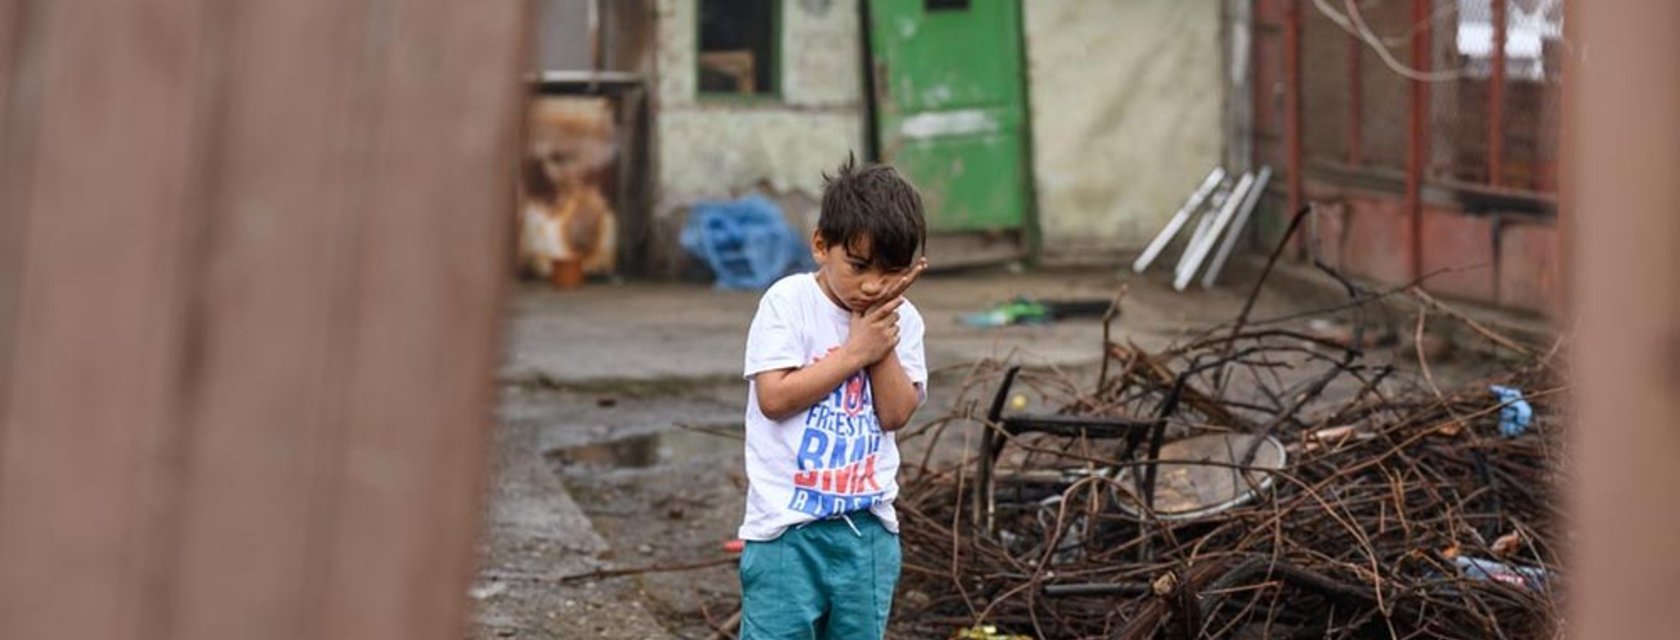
(835, 365)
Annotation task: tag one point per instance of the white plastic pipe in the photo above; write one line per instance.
(1235, 233)
(1198, 251)
(1175, 224)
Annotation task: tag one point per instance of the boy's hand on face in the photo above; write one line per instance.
(903, 284)
(874, 332)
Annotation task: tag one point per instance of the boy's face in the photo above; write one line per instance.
(847, 276)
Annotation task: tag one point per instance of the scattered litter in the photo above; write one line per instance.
(1222, 209)
(1017, 311)
(1344, 334)
(1206, 235)
(1530, 578)
(487, 591)
(1235, 233)
(1507, 544)
(1516, 414)
(1164, 585)
(1332, 437)
(986, 632)
(1026, 311)
(1214, 179)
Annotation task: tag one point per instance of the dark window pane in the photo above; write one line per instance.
(737, 46)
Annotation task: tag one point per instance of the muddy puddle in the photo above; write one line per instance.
(649, 449)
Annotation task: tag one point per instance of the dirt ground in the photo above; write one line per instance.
(619, 440)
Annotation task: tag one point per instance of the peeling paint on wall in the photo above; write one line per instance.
(949, 123)
(714, 153)
(1125, 100)
(675, 54)
(822, 54)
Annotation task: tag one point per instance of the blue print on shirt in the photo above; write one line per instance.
(837, 452)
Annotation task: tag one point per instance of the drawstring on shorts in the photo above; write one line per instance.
(841, 516)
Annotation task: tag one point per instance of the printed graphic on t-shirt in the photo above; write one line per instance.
(836, 458)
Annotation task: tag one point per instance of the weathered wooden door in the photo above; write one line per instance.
(950, 110)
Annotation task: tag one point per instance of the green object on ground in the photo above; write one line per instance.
(1017, 311)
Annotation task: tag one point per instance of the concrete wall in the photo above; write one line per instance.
(563, 35)
(714, 148)
(1506, 258)
(1125, 100)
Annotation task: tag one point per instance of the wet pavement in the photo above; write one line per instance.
(619, 431)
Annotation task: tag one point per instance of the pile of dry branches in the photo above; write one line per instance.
(1402, 511)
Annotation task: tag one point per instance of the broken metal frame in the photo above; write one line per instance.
(1134, 430)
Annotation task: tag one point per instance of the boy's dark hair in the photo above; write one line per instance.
(874, 202)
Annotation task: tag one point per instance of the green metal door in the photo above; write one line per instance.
(949, 107)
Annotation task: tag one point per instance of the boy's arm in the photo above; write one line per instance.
(784, 392)
(896, 397)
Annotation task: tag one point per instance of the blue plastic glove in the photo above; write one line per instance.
(1516, 415)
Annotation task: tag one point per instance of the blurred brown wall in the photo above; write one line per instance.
(251, 267)
(1623, 216)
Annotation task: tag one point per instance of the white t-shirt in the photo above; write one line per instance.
(833, 457)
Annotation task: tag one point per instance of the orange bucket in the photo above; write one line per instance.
(566, 274)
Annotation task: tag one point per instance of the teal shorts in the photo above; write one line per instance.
(824, 579)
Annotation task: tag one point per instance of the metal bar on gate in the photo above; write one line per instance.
(1292, 102)
(1235, 234)
(1198, 251)
(1175, 224)
(1356, 103)
(1258, 98)
(1415, 143)
(1496, 97)
(594, 17)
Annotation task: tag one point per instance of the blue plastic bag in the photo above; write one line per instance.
(1516, 415)
(746, 242)
(1530, 578)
